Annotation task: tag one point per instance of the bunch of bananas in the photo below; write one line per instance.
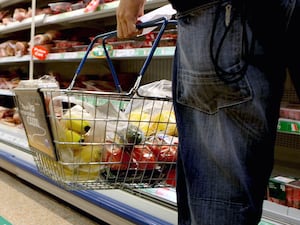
(159, 122)
(75, 126)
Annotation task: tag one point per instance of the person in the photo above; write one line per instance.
(230, 66)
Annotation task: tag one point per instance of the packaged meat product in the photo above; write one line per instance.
(168, 38)
(60, 7)
(61, 49)
(7, 48)
(167, 42)
(66, 43)
(277, 189)
(46, 38)
(168, 34)
(62, 44)
(7, 20)
(126, 44)
(78, 48)
(290, 111)
(53, 34)
(41, 39)
(3, 14)
(78, 5)
(92, 6)
(21, 48)
(20, 14)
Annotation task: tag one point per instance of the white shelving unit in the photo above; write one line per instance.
(114, 206)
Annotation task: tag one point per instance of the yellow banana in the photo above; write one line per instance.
(76, 123)
(89, 153)
(81, 173)
(141, 120)
(163, 122)
(73, 139)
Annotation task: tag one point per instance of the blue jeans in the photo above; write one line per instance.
(226, 126)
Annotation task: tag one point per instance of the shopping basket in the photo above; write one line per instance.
(102, 140)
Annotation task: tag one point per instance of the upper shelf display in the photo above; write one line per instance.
(46, 17)
(54, 44)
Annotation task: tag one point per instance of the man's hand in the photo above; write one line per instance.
(127, 15)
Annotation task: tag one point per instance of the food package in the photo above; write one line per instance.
(153, 116)
(81, 131)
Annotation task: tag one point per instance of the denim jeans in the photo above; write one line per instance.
(227, 127)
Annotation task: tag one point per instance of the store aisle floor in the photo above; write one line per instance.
(24, 204)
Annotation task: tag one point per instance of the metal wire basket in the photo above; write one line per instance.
(103, 140)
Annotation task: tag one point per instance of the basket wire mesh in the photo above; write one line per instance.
(110, 141)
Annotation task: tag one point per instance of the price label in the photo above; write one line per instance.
(40, 52)
(124, 52)
(71, 55)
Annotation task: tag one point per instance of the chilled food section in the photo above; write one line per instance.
(113, 206)
(112, 156)
(69, 40)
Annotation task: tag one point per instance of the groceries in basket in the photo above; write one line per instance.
(100, 138)
(113, 138)
(78, 137)
(147, 147)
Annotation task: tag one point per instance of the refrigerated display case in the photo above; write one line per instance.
(138, 206)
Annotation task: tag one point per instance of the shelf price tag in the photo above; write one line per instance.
(40, 52)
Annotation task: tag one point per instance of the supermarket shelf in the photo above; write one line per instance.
(281, 214)
(23, 25)
(79, 15)
(77, 56)
(14, 59)
(106, 10)
(7, 92)
(5, 3)
(15, 137)
(107, 205)
(121, 54)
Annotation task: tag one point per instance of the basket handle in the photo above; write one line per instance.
(162, 22)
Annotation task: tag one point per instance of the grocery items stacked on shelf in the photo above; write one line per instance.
(289, 121)
(15, 15)
(9, 79)
(10, 116)
(18, 16)
(284, 191)
(53, 41)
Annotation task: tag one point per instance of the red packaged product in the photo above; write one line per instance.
(60, 7)
(290, 111)
(293, 194)
(126, 44)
